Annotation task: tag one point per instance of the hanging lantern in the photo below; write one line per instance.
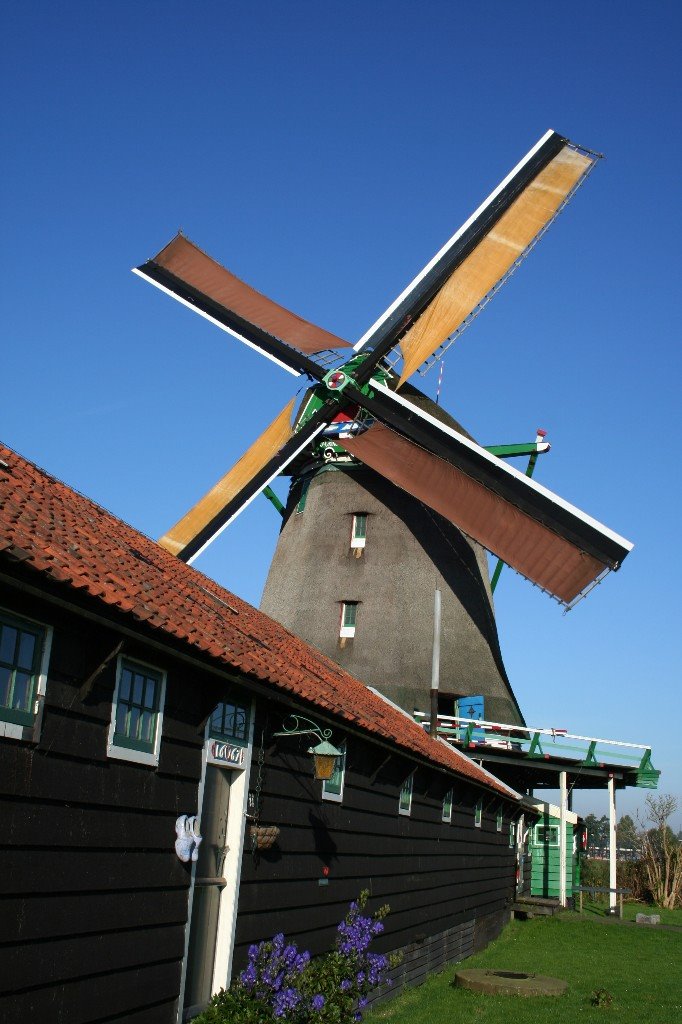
(325, 756)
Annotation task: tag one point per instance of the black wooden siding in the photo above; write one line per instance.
(436, 876)
(93, 900)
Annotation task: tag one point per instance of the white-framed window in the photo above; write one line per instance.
(512, 835)
(478, 813)
(137, 712)
(498, 822)
(349, 614)
(405, 801)
(546, 835)
(332, 789)
(230, 722)
(24, 657)
(447, 806)
(358, 532)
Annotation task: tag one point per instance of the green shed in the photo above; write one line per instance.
(544, 851)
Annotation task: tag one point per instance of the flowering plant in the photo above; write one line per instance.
(282, 986)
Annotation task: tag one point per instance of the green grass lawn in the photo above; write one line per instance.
(630, 911)
(641, 968)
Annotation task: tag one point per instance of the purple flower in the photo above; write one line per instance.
(345, 985)
(317, 1002)
(287, 999)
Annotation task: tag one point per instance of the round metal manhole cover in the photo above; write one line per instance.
(509, 983)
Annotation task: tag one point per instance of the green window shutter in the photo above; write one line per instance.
(21, 652)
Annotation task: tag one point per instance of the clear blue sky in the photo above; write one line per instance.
(324, 152)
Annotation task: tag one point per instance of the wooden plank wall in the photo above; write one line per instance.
(436, 876)
(92, 897)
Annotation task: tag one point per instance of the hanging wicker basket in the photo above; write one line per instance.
(263, 836)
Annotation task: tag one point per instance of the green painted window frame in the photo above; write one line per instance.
(405, 798)
(478, 813)
(332, 789)
(133, 698)
(498, 821)
(512, 835)
(19, 722)
(358, 531)
(446, 814)
(229, 722)
(349, 616)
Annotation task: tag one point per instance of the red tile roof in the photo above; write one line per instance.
(64, 536)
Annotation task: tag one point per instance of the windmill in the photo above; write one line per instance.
(397, 457)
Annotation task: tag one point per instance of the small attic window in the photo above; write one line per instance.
(478, 813)
(405, 801)
(349, 614)
(358, 533)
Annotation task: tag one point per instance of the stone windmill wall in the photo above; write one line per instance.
(409, 552)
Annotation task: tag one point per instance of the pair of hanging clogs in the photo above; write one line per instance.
(189, 838)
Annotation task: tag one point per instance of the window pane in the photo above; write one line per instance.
(147, 726)
(134, 723)
(138, 685)
(150, 694)
(27, 647)
(240, 723)
(5, 679)
(124, 689)
(349, 611)
(121, 712)
(360, 527)
(8, 643)
(23, 689)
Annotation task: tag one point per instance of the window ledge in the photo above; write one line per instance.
(137, 756)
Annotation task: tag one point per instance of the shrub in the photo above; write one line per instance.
(630, 874)
(282, 986)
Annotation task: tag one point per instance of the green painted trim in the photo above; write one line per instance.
(647, 775)
(272, 497)
(300, 504)
(496, 574)
(510, 451)
(535, 749)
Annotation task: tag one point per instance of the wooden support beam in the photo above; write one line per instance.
(562, 837)
(612, 844)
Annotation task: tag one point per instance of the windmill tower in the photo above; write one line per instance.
(354, 573)
(370, 455)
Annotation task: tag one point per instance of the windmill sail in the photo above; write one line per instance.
(187, 273)
(265, 459)
(546, 539)
(475, 261)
